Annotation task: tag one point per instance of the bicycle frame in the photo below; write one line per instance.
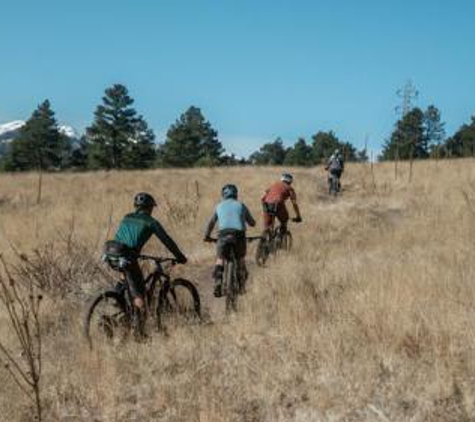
(159, 275)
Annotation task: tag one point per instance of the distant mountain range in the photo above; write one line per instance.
(10, 130)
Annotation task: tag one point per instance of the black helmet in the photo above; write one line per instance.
(287, 178)
(144, 200)
(229, 191)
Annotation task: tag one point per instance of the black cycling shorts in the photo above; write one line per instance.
(231, 240)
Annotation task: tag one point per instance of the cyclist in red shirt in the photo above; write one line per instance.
(273, 202)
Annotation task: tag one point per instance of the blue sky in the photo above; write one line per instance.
(258, 68)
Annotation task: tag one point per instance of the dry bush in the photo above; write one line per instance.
(21, 303)
(60, 269)
(369, 318)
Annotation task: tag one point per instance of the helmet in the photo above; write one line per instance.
(337, 152)
(287, 178)
(229, 191)
(144, 200)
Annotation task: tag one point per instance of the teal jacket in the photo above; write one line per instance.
(136, 229)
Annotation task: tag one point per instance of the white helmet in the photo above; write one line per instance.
(287, 178)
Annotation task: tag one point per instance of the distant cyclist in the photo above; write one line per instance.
(134, 231)
(232, 217)
(335, 166)
(273, 202)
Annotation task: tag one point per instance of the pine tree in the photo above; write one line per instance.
(462, 143)
(299, 155)
(78, 158)
(272, 153)
(434, 130)
(409, 139)
(39, 145)
(191, 141)
(119, 138)
(324, 145)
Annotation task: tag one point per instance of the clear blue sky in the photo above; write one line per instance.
(258, 68)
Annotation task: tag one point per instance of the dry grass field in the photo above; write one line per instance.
(369, 318)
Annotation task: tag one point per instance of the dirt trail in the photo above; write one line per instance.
(214, 308)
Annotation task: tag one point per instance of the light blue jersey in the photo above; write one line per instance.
(231, 214)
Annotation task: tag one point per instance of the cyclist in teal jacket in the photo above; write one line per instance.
(232, 217)
(133, 233)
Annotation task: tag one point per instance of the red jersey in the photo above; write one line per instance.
(279, 192)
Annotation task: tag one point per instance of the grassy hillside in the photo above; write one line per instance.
(369, 318)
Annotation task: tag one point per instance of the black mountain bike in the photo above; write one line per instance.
(273, 240)
(234, 277)
(333, 184)
(111, 314)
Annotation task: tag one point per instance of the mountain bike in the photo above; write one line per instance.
(273, 240)
(111, 314)
(333, 184)
(234, 276)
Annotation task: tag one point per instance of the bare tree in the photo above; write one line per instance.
(22, 305)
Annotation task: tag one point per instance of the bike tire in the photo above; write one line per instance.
(122, 317)
(231, 286)
(262, 252)
(333, 186)
(178, 300)
(287, 241)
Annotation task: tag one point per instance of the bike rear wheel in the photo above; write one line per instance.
(178, 303)
(231, 287)
(262, 252)
(107, 318)
(333, 185)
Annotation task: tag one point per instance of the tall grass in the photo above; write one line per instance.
(370, 317)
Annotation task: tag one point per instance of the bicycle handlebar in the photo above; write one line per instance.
(248, 238)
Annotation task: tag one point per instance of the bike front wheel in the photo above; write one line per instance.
(286, 242)
(178, 303)
(107, 318)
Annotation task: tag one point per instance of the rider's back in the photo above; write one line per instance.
(136, 229)
(279, 192)
(231, 215)
(335, 163)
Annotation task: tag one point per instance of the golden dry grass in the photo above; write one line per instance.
(369, 318)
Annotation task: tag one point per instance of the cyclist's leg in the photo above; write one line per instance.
(282, 216)
(134, 277)
(338, 179)
(268, 220)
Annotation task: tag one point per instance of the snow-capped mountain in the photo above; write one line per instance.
(8, 132)
(69, 132)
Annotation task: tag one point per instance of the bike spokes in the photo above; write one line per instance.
(107, 319)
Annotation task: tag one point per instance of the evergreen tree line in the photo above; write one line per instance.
(323, 144)
(421, 134)
(119, 138)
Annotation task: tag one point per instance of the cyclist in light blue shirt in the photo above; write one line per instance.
(232, 217)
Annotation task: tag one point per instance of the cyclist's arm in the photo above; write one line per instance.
(296, 208)
(263, 199)
(210, 226)
(169, 243)
(295, 205)
(248, 217)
